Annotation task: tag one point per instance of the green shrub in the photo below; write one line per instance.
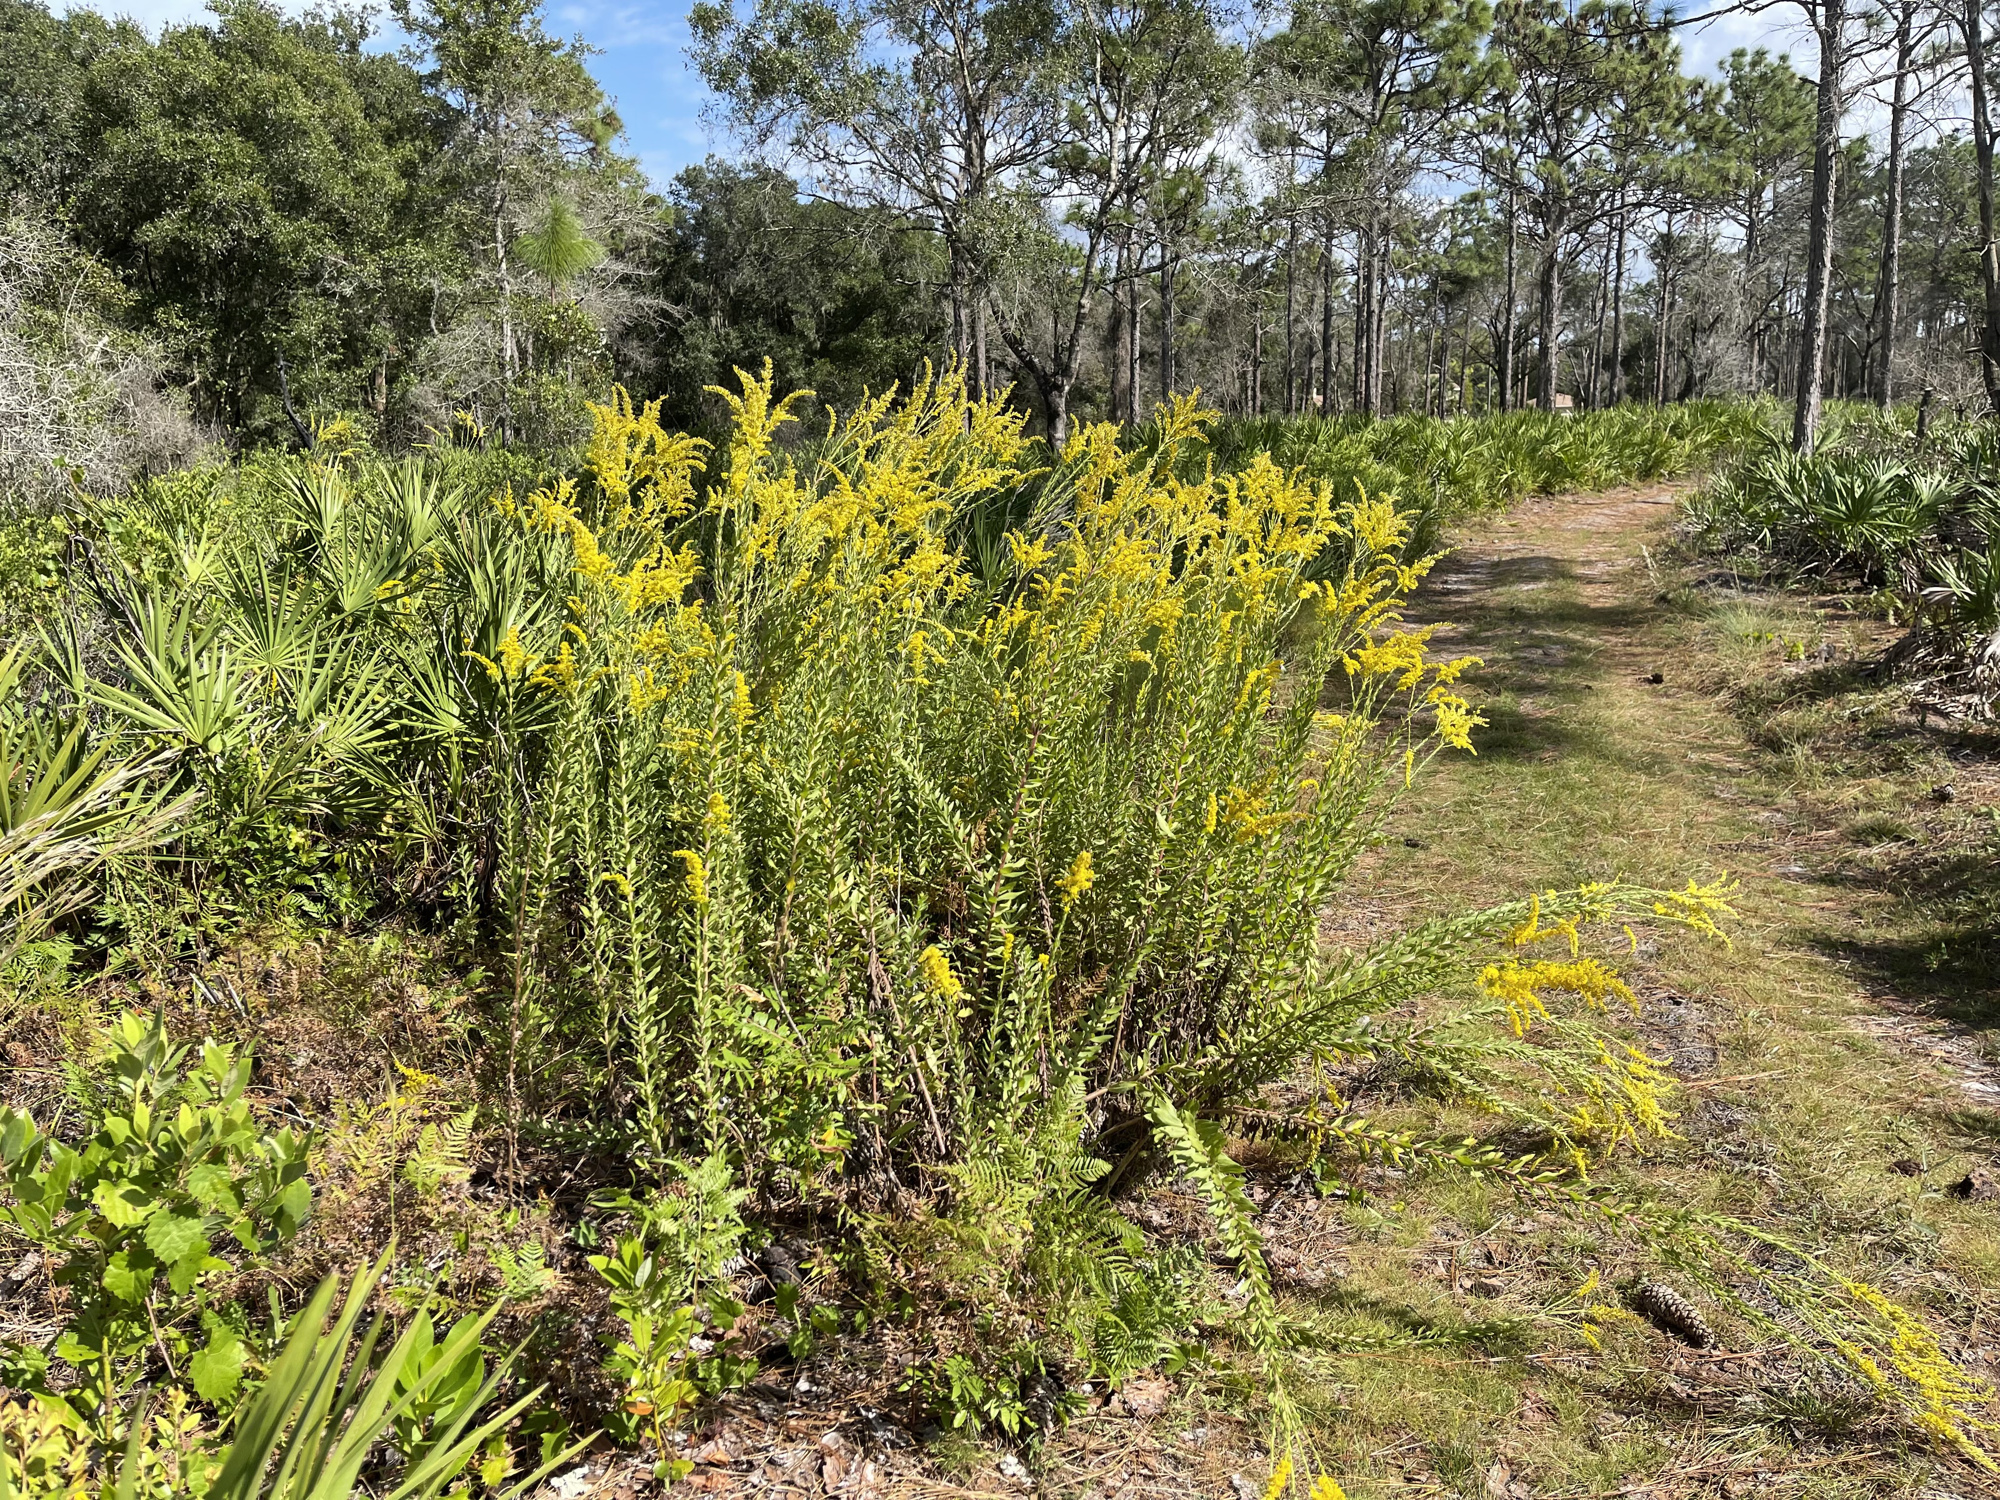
(130, 1223)
(1871, 507)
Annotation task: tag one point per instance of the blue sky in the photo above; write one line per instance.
(642, 62)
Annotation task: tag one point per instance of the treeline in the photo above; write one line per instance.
(291, 223)
(1365, 206)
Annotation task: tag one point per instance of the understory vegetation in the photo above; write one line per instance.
(1909, 521)
(622, 924)
(1442, 470)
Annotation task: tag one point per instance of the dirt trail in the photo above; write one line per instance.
(1832, 1061)
(1563, 596)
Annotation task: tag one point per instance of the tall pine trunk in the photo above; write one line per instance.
(1663, 314)
(1593, 395)
(1326, 323)
(1550, 330)
(1973, 21)
(1618, 310)
(1506, 370)
(1291, 318)
(1378, 316)
(1832, 21)
(1892, 225)
(1256, 401)
(1362, 266)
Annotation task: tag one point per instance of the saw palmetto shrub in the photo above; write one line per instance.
(1914, 520)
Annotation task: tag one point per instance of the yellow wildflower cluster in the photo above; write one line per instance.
(1701, 906)
(1622, 1100)
(1941, 1397)
(1589, 1311)
(640, 468)
(1079, 879)
(1520, 987)
(937, 975)
(867, 530)
(697, 875)
(1402, 660)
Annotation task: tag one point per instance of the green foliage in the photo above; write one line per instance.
(313, 1428)
(175, 1168)
(1012, 1392)
(822, 292)
(658, 1361)
(1441, 469)
(1864, 508)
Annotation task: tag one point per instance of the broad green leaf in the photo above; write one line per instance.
(128, 1274)
(173, 1237)
(213, 1189)
(217, 1368)
(190, 1268)
(124, 1204)
(294, 1203)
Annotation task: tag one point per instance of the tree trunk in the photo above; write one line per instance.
(1751, 225)
(1832, 20)
(1437, 349)
(961, 341)
(1973, 21)
(1661, 317)
(1255, 405)
(1291, 318)
(1326, 323)
(1892, 224)
(500, 203)
(1363, 263)
(1055, 402)
(1166, 328)
(1551, 321)
(982, 369)
(1134, 307)
(1618, 310)
(1506, 371)
(1463, 384)
(1115, 336)
(1593, 396)
(1378, 317)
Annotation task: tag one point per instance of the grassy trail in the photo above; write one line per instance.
(1838, 1082)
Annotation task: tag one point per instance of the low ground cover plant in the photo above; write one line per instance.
(865, 859)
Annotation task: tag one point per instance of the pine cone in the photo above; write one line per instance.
(1670, 1312)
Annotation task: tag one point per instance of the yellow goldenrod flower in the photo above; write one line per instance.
(697, 875)
(937, 976)
(1079, 880)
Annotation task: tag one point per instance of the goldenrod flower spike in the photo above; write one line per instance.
(937, 975)
(1079, 879)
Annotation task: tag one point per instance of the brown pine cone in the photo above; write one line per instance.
(1670, 1312)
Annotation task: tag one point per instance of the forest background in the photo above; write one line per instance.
(232, 229)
